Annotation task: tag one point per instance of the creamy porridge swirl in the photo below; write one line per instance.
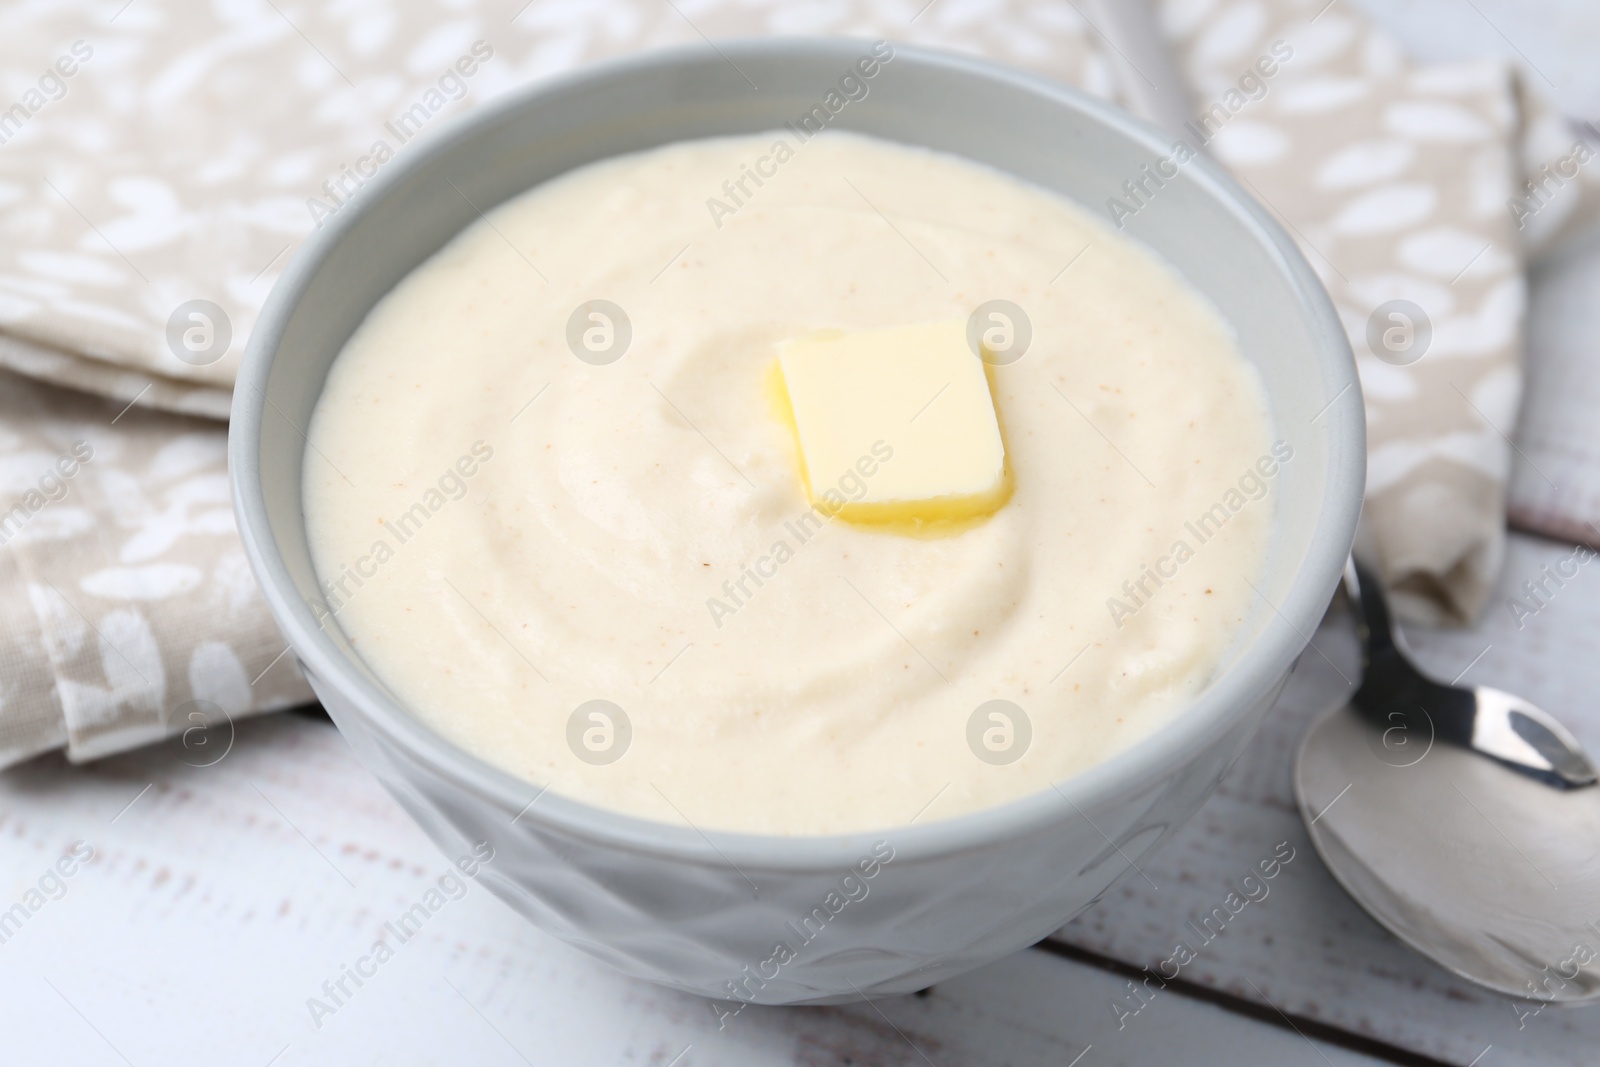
(603, 574)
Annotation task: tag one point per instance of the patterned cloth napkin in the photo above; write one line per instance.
(160, 162)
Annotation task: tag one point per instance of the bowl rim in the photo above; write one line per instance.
(1202, 722)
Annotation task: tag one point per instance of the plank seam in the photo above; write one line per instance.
(1231, 1002)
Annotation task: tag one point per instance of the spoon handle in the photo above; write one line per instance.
(1362, 587)
(1393, 692)
(1406, 703)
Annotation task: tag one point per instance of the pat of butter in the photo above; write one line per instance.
(895, 425)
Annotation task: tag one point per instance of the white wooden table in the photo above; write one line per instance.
(220, 899)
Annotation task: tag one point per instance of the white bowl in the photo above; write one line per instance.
(703, 911)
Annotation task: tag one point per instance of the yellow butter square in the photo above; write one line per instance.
(895, 424)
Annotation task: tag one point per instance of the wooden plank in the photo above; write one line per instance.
(1306, 945)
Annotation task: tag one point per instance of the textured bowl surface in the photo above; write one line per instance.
(704, 911)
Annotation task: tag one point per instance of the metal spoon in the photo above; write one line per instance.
(1461, 819)
(1397, 696)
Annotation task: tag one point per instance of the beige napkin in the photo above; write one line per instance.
(160, 163)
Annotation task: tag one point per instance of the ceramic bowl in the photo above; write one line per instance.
(704, 911)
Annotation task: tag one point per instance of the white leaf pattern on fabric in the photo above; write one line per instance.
(1323, 41)
(1436, 299)
(1451, 253)
(157, 581)
(1390, 208)
(153, 218)
(1497, 395)
(1312, 97)
(59, 522)
(1482, 335)
(1230, 34)
(186, 454)
(234, 583)
(1435, 120)
(1385, 383)
(68, 267)
(215, 674)
(131, 658)
(1390, 464)
(1243, 143)
(1365, 163)
(62, 628)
